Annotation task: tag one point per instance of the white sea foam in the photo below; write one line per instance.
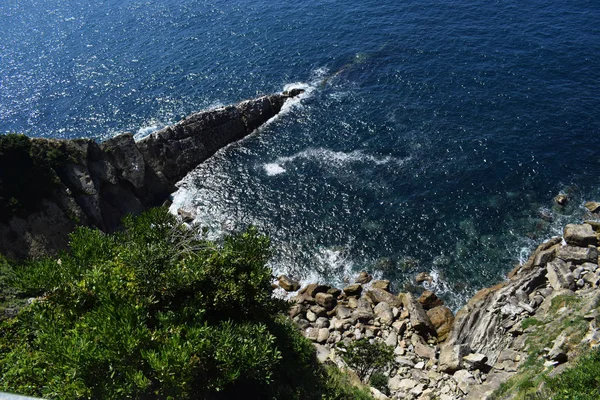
(273, 169)
(332, 159)
(147, 130)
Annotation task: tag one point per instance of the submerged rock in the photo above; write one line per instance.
(561, 199)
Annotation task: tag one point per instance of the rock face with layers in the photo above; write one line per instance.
(99, 184)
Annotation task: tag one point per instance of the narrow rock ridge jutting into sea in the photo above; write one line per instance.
(101, 183)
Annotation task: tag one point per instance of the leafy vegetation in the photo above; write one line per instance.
(156, 311)
(366, 357)
(533, 380)
(26, 160)
(380, 382)
(581, 382)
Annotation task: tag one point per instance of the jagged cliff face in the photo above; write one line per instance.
(98, 184)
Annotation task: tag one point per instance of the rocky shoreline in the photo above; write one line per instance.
(98, 184)
(467, 356)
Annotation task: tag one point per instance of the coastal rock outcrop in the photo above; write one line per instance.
(98, 184)
(547, 310)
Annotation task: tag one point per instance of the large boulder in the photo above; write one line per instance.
(383, 284)
(379, 296)
(429, 300)
(325, 300)
(288, 284)
(442, 319)
(578, 255)
(580, 235)
(559, 275)
(418, 317)
(384, 312)
(354, 289)
(451, 357)
(592, 206)
(363, 311)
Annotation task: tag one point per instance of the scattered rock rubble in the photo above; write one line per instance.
(442, 356)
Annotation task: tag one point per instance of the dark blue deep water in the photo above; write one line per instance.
(432, 137)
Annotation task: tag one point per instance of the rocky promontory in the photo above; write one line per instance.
(529, 326)
(92, 184)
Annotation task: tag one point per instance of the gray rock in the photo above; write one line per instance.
(312, 334)
(384, 312)
(353, 290)
(322, 353)
(451, 357)
(322, 335)
(558, 352)
(474, 361)
(397, 383)
(379, 295)
(418, 317)
(363, 311)
(325, 300)
(302, 323)
(465, 380)
(580, 235)
(578, 255)
(311, 316)
(318, 310)
(343, 312)
(559, 275)
(392, 339)
(322, 322)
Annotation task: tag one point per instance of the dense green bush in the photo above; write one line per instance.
(380, 382)
(366, 357)
(581, 382)
(155, 311)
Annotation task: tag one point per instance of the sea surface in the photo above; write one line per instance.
(433, 135)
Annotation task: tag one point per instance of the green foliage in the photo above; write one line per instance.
(582, 382)
(563, 300)
(156, 311)
(26, 173)
(527, 322)
(365, 357)
(380, 382)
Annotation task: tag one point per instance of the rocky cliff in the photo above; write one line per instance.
(98, 184)
(520, 330)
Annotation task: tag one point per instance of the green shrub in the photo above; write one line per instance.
(156, 311)
(365, 357)
(380, 382)
(581, 382)
(527, 322)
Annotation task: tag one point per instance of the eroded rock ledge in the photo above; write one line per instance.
(99, 184)
(535, 322)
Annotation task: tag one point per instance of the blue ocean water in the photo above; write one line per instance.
(432, 137)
